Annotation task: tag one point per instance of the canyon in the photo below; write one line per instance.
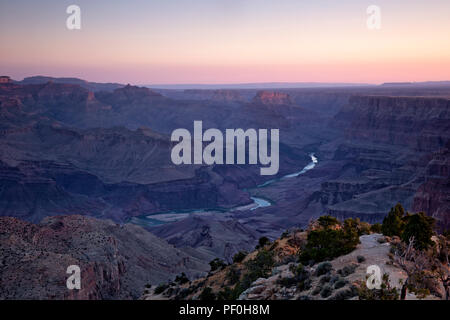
(97, 156)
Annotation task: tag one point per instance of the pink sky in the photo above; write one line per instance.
(144, 42)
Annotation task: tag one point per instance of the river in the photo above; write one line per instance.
(168, 217)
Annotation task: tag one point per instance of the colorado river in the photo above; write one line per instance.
(167, 217)
(308, 167)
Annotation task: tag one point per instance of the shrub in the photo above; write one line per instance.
(347, 270)
(217, 264)
(385, 293)
(356, 226)
(340, 283)
(302, 277)
(181, 279)
(364, 228)
(284, 234)
(326, 244)
(238, 257)
(207, 294)
(345, 294)
(323, 268)
(376, 228)
(325, 279)
(259, 267)
(161, 288)
(326, 291)
(183, 293)
(420, 227)
(394, 223)
(263, 241)
(287, 282)
(360, 259)
(327, 221)
(305, 285)
(334, 279)
(233, 275)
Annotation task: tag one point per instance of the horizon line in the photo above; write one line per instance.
(250, 85)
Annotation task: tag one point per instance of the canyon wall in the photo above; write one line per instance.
(116, 261)
(386, 144)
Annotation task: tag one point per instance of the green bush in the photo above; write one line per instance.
(340, 283)
(181, 279)
(347, 270)
(420, 227)
(393, 223)
(305, 284)
(325, 279)
(302, 277)
(356, 226)
(233, 275)
(326, 244)
(285, 234)
(263, 241)
(323, 268)
(238, 257)
(183, 293)
(328, 221)
(262, 264)
(334, 279)
(376, 228)
(326, 291)
(385, 293)
(217, 264)
(345, 294)
(259, 267)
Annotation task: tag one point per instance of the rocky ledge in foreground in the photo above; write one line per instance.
(329, 261)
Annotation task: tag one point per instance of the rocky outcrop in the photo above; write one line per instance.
(287, 279)
(272, 97)
(432, 197)
(419, 123)
(116, 261)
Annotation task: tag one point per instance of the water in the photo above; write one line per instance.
(260, 203)
(308, 167)
(163, 218)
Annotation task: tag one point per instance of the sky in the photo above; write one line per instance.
(227, 41)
